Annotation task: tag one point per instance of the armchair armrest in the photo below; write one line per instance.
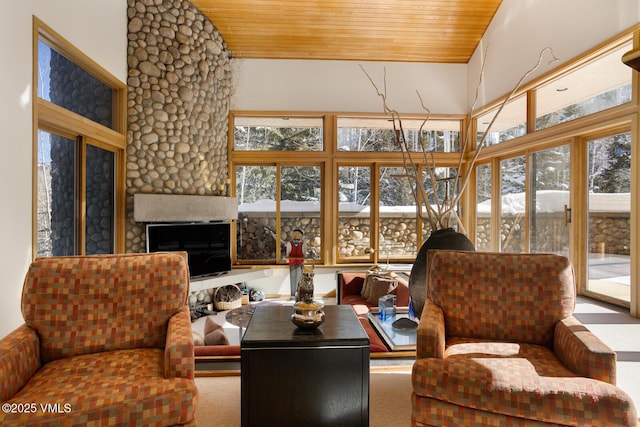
(583, 352)
(19, 360)
(430, 338)
(179, 358)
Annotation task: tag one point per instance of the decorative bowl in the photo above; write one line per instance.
(308, 315)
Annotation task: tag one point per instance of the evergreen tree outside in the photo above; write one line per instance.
(616, 174)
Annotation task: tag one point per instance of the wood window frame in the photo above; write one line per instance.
(53, 118)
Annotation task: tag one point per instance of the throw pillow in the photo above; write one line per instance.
(214, 333)
(198, 340)
(380, 286)
(366, 287)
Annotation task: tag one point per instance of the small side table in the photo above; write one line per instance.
(291, 376)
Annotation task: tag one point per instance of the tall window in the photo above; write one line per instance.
(512, 205)
(354, 213)
(79, 146)
(272, 202)
(341, 179)
(609, 216)
(550, 200)
(483, 207)
(398, 223)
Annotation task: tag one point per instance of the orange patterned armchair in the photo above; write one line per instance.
(497, 345)
(106, 341)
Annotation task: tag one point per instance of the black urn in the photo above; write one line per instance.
(446, 238)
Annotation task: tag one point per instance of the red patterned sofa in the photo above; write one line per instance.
(350, 285)
(498, 345)
(106, 341)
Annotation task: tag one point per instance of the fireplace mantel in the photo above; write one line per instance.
(183, 208)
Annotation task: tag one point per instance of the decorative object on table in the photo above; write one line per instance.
(387, 307)
(245, 293)
(295, 254)
(308, 315)
(405, 324)
(256, 295)
(439, 203)
(304, 292)
(245, 298)
(227, 297)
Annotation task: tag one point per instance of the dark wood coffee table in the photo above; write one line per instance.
(291, 376)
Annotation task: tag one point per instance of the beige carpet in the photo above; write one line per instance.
(389, 399)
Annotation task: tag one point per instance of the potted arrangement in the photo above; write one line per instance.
(438, 205)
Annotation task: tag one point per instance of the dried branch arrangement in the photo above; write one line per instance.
(440, 212)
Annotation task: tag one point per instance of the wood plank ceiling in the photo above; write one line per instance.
(440, 31)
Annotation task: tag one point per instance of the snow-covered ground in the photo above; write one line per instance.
(547, 201)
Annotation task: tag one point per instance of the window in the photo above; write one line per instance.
(278, 134)
(64, 83)
(78, 192)
(354, 213)
(398, 223)
(257, 228)
(510, 123)
(568, 191)
(550, 200)
(609, 216)
(597, 86)
(483, 207)
(512, 205)
(300, 207)
(268, 212)
(377, 134)
(342, 182)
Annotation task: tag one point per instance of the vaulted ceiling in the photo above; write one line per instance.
(440, 31)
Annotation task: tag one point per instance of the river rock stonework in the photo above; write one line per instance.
(179, 92)
(609, 233)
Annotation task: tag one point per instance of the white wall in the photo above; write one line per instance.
(522, 28)
(96, 27)
(342, 86)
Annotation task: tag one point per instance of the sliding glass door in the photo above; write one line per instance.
(609, 214)
(550, 211)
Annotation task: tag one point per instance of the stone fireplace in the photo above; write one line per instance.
(179, 91)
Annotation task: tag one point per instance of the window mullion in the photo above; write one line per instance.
(278, 227)
(81, 199)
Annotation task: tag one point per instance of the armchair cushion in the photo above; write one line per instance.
(121, 387)
(110, 310)
(509, 297)
(516, 380)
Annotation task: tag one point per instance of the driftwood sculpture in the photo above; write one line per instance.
(440, 212)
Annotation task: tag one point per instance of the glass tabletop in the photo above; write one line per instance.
(396, 339)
